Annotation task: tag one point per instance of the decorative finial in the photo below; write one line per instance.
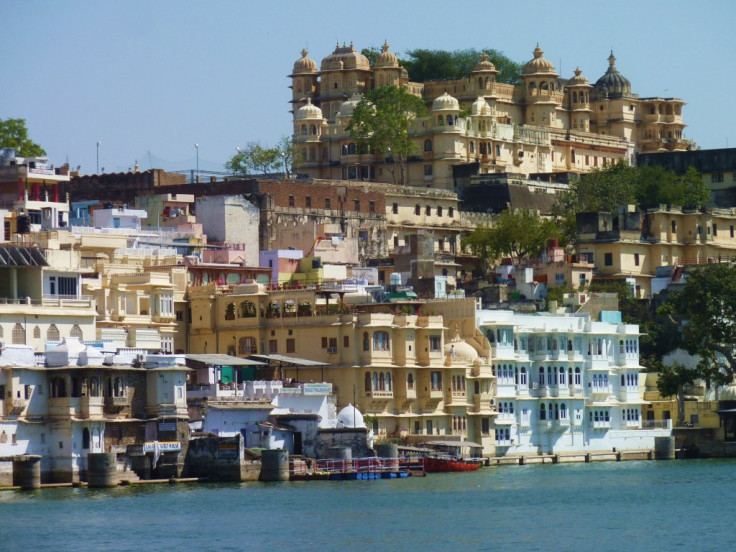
(304, 52)
(577, 72)
(538, 51)
(612, 59)
(385, 45)
(484, 57)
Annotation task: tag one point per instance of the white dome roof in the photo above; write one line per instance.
(445, 102)
(462, 349)
(309, 111)
(350, 417)
(480, 107)
(347, 107)
(65, 354)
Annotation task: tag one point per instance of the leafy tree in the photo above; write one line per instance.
(671, 383)
(695, 192)
(255, 158)
(706, 312)
(424, 65)
(14, 134)
(655, 185)
(518, 234)
(381, 122)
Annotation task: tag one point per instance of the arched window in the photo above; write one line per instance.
(344, 149)
(542, 412)
(375, 381)
(541, 375)
(119, 389)
(367, 383)
(563, 411)
(574, 97)
(247, 309)
(388, 381)
(381, 341)
(472, 147)
(85, 438)
(52, 334)
(522, 377)
(36, 332)
(366, 342)
(449, 120)
(76, 331)
(381, 382)
(428, 145)
(410, 381)
(557, 411)
(351, 148)
(94, 387)
(577, 376)
(19, 335)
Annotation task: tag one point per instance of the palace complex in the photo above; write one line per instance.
(544, 124)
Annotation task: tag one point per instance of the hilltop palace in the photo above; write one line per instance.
(545, 124)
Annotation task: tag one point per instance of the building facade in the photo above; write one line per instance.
(544, 124)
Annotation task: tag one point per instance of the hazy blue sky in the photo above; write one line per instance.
(149, 79)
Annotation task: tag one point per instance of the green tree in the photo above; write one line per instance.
(14, 134)
(705, 309)
(517, 234)
(254, 158)
(424, 65)
(695, 192)
(672, 382)
(381, 122)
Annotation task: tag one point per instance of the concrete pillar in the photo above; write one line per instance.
(27, 471)
(664, 448)
(388, 450)
(102, 469)
(275, 465)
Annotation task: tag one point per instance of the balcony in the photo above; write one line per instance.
(16, 407)
(113, 405)
(91, 407)
(62, 408)
(456, 398)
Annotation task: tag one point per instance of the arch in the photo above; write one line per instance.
(36, 332)
(440, 120)
(85, 438)
(381, 382)
(58, 387)
(381, 341)
(449, 120)
(542, 412)
(375, 381)
(352, 149)
(428, 145)
(314, 129)
(366, 342)
(76, 331)
(367, 382)
(94, 387)
(410, 380)
(247, 309)
(52, 333)
(543, 87)
(472, 147)
(388, 381)
(19, 334)
(304, 131)
(574, 97)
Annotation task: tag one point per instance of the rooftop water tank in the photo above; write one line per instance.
(395, 279)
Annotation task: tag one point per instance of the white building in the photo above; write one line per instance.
(566, 383)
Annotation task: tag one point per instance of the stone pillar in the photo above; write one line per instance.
(27, 471)
(102, 469)
(664, 448)
(275, 465)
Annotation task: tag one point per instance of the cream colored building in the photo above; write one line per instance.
(642, 243)
(544, 124)
(415, 369)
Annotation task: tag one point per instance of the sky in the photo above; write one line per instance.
(150, 79)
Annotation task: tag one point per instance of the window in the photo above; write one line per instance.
(418, 209)
(436, 379)
(291, 345)
(324, 342)
(367, 383)
(327, 203)
(356, 205)
(410, 381)
(450, 212)
(428, 145)
(608, 259)
(247, 346)
(427, 170)
(291, 201)
(371, 206)
(636, 259)
(715, 229)
(273, 346)
(428, 210)
(346, 341)
(366, 342)
(559, 278)
(395, 209)
(19, 335)
(435, 343)
(716, 177)
(333, 343)
(381, 341)
(308, 202)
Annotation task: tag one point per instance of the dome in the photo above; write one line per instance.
(578, 79)
(612, 83)
(484, 65)
(65, 354)
(345, 57)
(305, 65)
(309, 111)
(350, 417)
(347, 107)
(461, 350)
(538, 65)
(386, 58)
(445, 102)
(480, 107)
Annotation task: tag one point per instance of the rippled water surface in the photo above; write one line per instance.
(652, 506)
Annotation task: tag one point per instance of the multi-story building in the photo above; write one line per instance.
(415, 369)
(566, 383)
(544, 124)
(633, 245)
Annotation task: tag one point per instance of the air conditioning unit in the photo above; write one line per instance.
(332, 350)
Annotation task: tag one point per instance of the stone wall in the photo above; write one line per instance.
(355, 438)
(219, 459)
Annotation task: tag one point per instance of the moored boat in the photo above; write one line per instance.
(437, 464)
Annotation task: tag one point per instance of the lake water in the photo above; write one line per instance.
(652, 506)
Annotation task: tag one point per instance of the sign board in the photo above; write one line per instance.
(317, 388)
(163, 446)
(135, 450)
(119, 449)
(167, 426)
(228, 451)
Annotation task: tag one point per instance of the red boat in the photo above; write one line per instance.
(436, 464)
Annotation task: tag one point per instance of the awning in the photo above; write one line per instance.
(22, 256)
(288, 360)
(223, 360)
(453, 444)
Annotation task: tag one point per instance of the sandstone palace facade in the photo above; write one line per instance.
(545, 124)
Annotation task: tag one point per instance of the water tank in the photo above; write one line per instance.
(395, 279)
(6, 155)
